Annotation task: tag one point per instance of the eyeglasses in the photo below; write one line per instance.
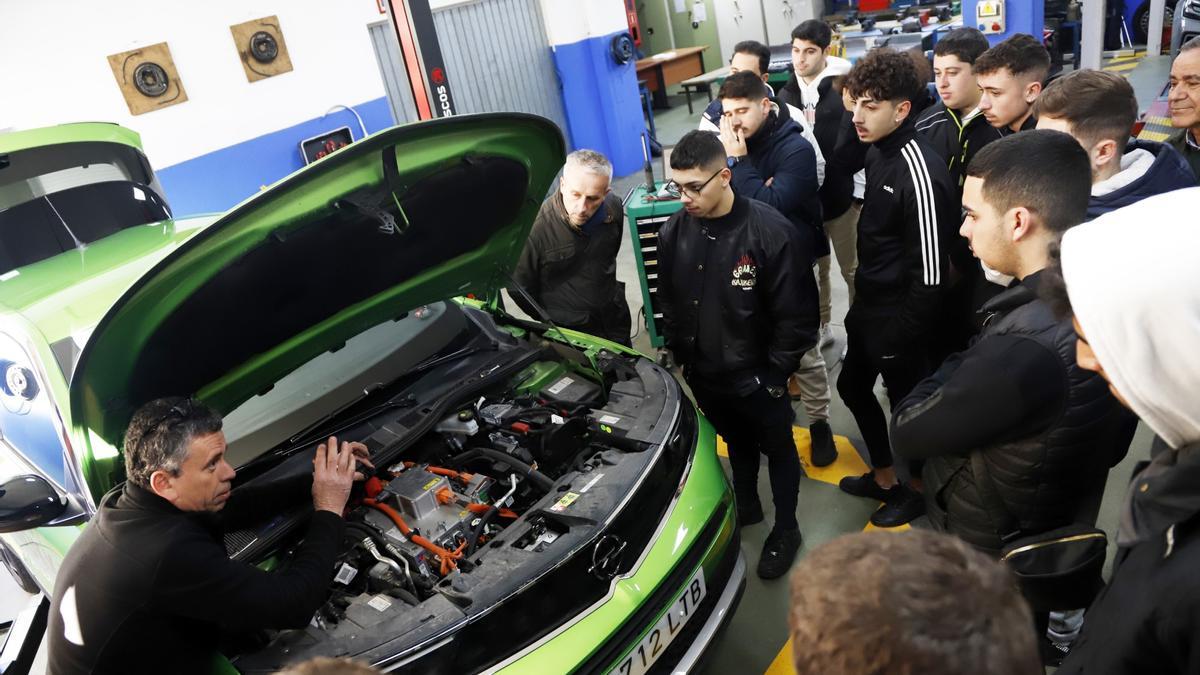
(177, 413)
(675, 189)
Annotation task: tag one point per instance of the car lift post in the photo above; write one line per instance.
(1091, 43)
(1154, 31)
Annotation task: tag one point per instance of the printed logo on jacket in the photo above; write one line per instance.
(745, 273)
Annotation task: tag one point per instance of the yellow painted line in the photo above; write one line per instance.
(1121, 66)
(848, 462)
(899, 528)
(782, 665)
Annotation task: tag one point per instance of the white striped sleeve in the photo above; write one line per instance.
(927, 218)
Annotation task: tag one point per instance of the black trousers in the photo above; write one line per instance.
(753, 425)
(868, 359)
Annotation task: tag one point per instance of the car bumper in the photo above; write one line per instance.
(698, 533)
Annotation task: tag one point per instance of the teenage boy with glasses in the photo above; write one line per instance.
(739, 308)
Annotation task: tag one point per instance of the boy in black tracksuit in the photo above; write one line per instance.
(739, 307)
(908, 220)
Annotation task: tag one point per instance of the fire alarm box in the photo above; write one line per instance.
(989, 16)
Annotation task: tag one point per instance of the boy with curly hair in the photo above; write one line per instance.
(905, 234)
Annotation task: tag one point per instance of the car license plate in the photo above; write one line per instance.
(641, 657)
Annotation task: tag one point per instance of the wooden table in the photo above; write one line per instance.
(662, 70)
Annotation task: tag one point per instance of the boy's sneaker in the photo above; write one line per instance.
(903, 505)
(864, 486)
(778, 554)
(1052, 652)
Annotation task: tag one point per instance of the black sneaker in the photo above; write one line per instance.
(1052, 652)
(824, 452)
(749, 512)
(903, 505)
(864, 486)
(778, 554)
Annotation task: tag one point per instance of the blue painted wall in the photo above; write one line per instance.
(221, 179)
(1021, 16)
(604, 112)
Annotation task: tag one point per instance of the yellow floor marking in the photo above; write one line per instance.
(848, 462)
(1127, 65)
(782, 665)
(899, 528)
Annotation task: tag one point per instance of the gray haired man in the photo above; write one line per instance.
(569, 265)
(148, 586)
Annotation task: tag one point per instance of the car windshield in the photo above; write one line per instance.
(57, 198)
(334, 379)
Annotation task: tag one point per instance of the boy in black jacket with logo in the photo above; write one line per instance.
(739, 308)
(904, 234)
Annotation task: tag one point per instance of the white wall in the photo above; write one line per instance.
(569, 21)
(54, 67)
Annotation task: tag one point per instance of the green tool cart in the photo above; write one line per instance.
(645, 214)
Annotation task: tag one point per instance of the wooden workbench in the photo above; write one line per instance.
(662, 70)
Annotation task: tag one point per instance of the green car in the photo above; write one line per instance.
(546, 501)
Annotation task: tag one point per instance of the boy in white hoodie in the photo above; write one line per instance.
(1139, 326)
(815, 88)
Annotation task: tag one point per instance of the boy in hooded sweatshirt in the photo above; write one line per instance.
(1138, 325)
(1098, 109)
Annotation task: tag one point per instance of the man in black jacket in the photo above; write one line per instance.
(739, 308)
(148, 586)
(1049, 445)
(815, 87)
(1010, 75)
(772, 162)
(1138, 330)
(957, 129)
(954, 126)
(903, 242)
(569, 265)
(1099, 108)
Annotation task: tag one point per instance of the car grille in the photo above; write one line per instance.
(715, 579)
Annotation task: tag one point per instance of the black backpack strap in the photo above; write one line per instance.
(1008, 526)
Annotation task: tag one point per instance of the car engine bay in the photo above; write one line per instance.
(496, 490)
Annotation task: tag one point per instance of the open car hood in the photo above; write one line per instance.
(402, 218)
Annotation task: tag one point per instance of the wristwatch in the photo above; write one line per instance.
(730, 161)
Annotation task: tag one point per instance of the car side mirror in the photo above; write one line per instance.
(27, 502)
